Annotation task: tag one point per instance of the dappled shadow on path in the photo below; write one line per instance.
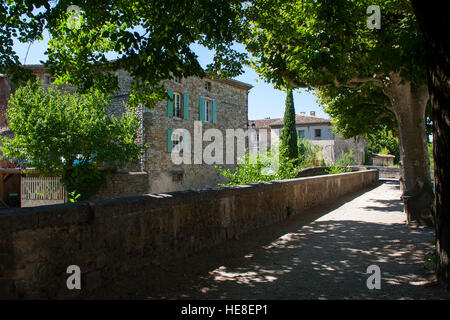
(301, 258)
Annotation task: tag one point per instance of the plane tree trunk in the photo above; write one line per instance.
(409, 104)
(434, 23)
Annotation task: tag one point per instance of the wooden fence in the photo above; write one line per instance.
(41, 190)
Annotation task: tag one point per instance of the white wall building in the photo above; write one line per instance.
(317, 130)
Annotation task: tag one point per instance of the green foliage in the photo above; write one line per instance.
(73, 196)
(384, 141)
(357, 111)
(335, 169)
(384, 151)
(327, 43)
(346, 159)
(288, 136)
(152, 40)
(84, 181)
(64, 133)
(343, 164)
(309, 155)
(261, 167)
(430, 155)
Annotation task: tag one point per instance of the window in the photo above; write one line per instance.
(177, 177)
(301, 133)
(177, 79)
(317, 133)
(177, 105)
(208, 85)
(208, 110)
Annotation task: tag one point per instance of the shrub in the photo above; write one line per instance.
(261, 167)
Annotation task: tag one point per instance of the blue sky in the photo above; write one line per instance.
(264, 100)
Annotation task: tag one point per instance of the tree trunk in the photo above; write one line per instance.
(434, 24)
(409, 103)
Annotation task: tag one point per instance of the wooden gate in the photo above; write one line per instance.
(38, 191)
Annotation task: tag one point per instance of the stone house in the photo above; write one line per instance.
(318, 131)
(199, 104)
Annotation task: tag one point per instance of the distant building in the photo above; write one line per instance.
(318, 131)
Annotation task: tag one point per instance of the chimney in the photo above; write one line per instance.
(312, 113)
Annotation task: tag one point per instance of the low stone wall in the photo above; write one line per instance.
(111, 238)
(124, 184)
(386, 172)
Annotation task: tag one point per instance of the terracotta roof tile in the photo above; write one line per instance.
(300, 119)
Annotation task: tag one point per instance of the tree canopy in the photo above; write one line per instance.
(310, 44)
(59, 132)
(149, 39)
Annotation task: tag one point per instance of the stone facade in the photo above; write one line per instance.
(231, 109)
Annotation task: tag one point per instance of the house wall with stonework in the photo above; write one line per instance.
(231, 110)
(231, 113)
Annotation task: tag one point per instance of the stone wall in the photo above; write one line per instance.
(386, 172)
(123, 184)
(112, 238)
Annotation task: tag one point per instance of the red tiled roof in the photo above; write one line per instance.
(299, 119)
(260, 124)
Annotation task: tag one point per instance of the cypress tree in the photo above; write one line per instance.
(289, 132)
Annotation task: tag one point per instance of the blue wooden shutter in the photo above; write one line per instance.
(214, 111)
(201, 108)
(169, 140)
(186, 106)
(170, 104)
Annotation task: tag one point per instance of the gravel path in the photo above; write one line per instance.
(323, 255)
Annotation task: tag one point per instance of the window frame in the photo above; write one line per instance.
(317, 131)
(300, 132)
(180, 105)
(207, 108)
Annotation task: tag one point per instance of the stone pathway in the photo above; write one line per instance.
(323, 255)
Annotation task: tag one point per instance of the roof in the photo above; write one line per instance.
(232, 82)
(262, 124)
(235, 83)
(300, 119)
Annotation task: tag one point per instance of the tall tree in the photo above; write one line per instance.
(330, 44)
(58, 132)
(288, 136)
(434, 24)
